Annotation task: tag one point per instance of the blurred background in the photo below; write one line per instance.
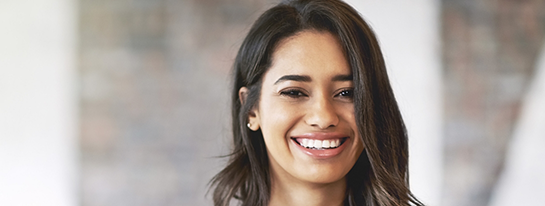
(125, 102)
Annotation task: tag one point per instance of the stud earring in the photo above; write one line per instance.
(249, 125)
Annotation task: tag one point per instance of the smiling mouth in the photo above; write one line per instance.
(320, 144)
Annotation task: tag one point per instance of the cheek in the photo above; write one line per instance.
(277, 119)
(349, 117)
(278, 116)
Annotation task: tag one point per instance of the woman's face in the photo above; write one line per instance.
(306, 110)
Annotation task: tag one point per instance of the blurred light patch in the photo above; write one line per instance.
(523, 180)
(38, 104)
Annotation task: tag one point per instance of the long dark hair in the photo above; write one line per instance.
(379, 177)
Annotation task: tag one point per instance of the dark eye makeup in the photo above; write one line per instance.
(346, 93)
(298, 93)
(293, 93)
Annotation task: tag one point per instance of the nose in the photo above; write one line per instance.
(321, 114)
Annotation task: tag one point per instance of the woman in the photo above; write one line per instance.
(315, 121)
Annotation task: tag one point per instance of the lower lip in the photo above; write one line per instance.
(322, 153)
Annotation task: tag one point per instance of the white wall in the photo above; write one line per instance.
(408, 32)
(38, 103)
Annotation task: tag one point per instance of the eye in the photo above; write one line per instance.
(293, 93)
(346, 93)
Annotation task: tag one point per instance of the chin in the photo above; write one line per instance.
(322, 175)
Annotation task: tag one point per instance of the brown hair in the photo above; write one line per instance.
(380, 176)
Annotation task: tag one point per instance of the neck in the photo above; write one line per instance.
(290, 192)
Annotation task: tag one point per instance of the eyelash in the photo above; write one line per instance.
(295, 93)
(346, 93)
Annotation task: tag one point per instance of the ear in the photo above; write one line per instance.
(242, 95)
(253, 115)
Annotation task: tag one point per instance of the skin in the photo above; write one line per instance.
(319, 104)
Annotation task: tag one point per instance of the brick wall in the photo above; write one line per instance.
(154, 102)
(490, 49)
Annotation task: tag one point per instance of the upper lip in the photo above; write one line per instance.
(321, 135)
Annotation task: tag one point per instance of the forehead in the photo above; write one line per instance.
(309, 52)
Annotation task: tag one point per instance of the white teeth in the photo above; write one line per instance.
(310, 143)
(325, 144)
(318, 144)
(332, 143)
(305, 142)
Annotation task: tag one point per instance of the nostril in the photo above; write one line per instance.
(323, 127)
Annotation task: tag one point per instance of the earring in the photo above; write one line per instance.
(249, 125)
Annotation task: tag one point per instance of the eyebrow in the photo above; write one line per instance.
(298, 78)
(306, 78)
(342, 78)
